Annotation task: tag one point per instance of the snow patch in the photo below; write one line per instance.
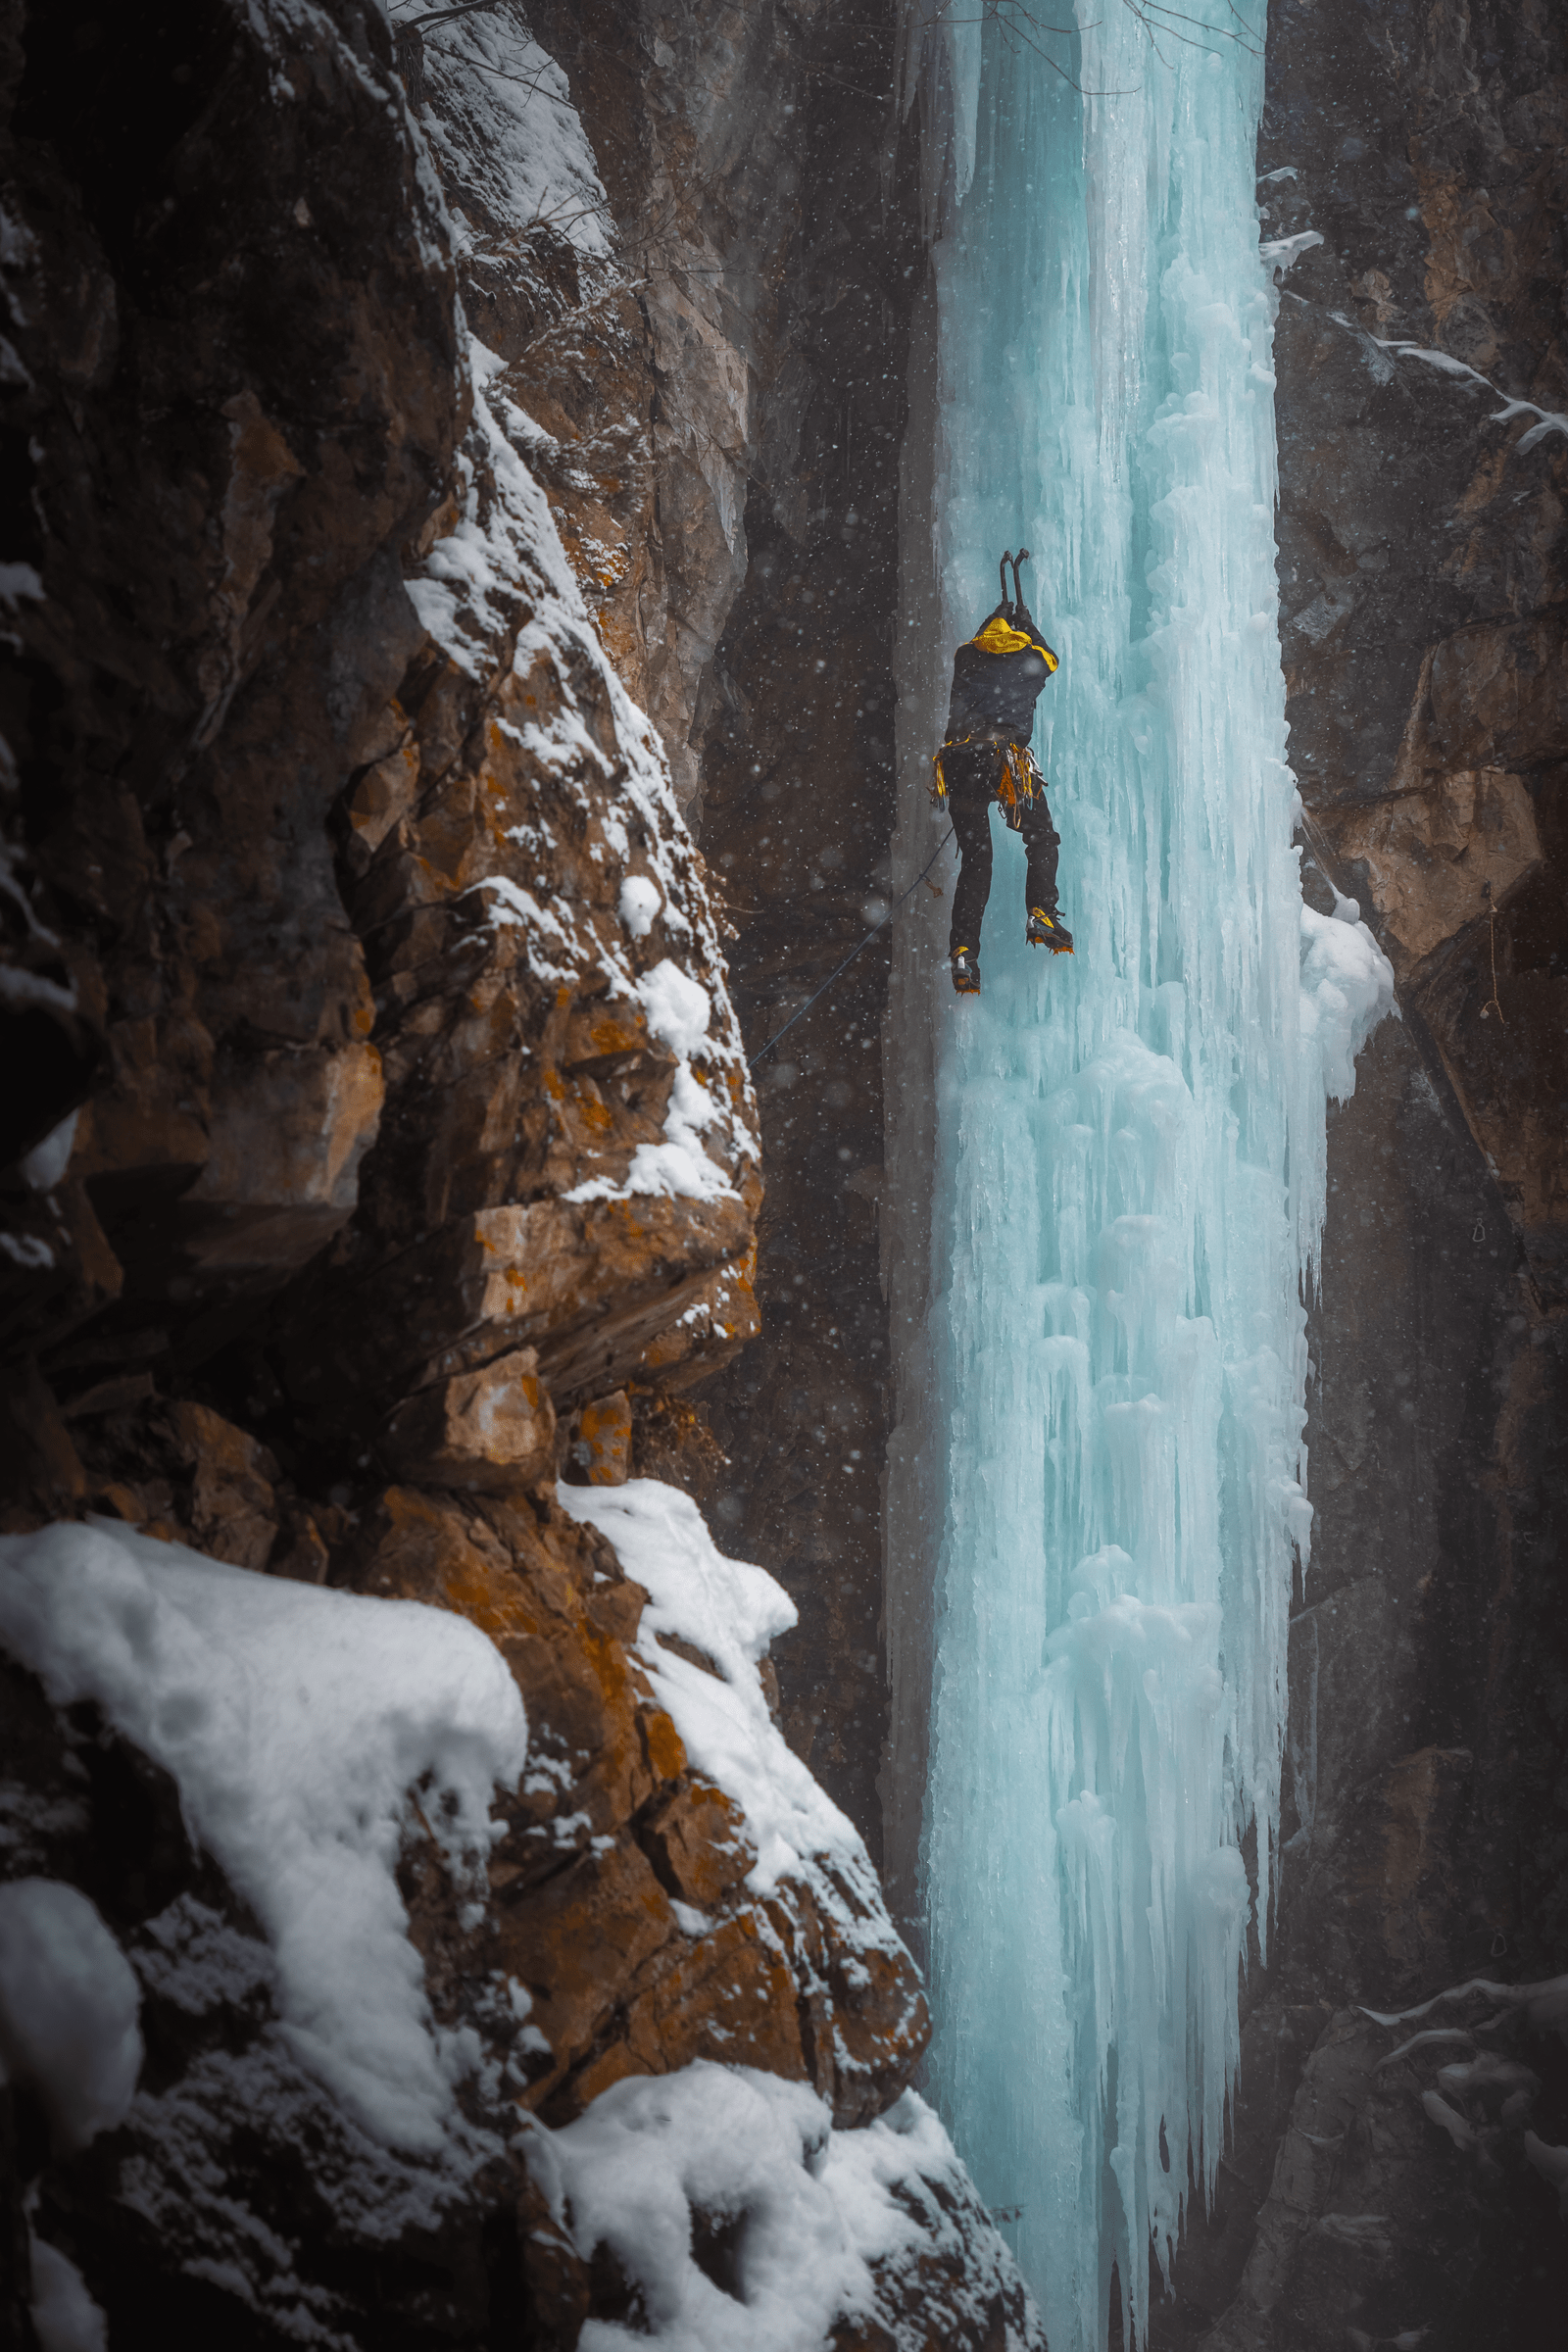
(1547, 420)
(19, 581)
(44, 1165)
(730, 1611)
(68, 2003)
(639, 904)
(678, 1008)
(810, 2209)
(65, 2316)
(1545, 2003)
(1281, 254)
(296, 1722)
(508, 130)
(26, 1250)
(1346, 987)
(19, 988)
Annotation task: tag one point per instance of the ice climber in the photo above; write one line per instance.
(996, 677)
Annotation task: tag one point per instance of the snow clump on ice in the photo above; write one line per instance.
(1346, 987)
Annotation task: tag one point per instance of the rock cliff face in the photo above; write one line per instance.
(1412, 173)
(743, 155)
(381, 1143)
(399, 925)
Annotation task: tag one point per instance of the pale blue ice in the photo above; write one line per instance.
(1107, 1175)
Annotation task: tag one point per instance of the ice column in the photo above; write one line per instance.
(1098, 1469)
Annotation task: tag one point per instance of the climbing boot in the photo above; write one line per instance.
(1047, 931)
(965, 971)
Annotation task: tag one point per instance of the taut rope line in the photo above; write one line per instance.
(778, 1034)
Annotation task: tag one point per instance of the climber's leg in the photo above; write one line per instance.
(971, 825)
(1042, 842)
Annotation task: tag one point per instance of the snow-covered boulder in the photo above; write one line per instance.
(487, 1892)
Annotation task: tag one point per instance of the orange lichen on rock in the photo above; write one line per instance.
(619, 1894)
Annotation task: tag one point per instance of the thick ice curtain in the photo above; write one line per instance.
(1128, 1155)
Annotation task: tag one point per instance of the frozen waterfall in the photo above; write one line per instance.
(1106, 1175)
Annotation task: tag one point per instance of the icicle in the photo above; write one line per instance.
(1102, 1394)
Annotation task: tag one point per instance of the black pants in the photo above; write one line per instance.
(971, 787)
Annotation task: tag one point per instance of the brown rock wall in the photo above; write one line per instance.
(720, 452)
(275, 1075)
(263, 735)
(1422, 523)
(594, 1859)
(491, 1428)
(1422, 581)
(179, 722)
(796, 730)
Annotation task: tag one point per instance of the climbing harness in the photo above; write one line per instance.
(763, 1051)
(1018, 779)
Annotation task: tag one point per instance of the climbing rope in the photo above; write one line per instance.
(439, 15)
(780, 1034)
(1492, 1005)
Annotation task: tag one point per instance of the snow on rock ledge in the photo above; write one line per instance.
(349, 1776)
(742, 2222)
(729, 1613)
(708, 1623)
(296, 1724)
